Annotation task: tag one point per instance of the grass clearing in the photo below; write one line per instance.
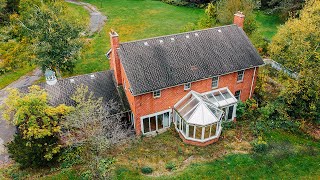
(132, 20)
(268, 24)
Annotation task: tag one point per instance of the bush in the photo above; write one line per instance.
(146, 170)
(170, 166)
(31, 154)
(260, 145)
(71, 156)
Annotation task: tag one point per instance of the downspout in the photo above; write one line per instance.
(254, 74)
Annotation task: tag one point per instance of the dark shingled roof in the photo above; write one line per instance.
(151, 65)
(102, 85)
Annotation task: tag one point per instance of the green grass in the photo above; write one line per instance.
(132, 19)
(288, 157)
(10, 77)
(268, 24)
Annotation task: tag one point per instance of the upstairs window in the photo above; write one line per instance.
(187, 86)
(215, 82)
(156, 94)
(237, 95)
(240, 76)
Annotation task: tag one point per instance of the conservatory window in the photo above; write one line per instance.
(240, 76)
(198, 134)
(215, 81)
(191, 131)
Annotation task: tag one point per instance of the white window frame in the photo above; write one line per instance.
(240, 73)
(213, 87)
(124, 84)
(157, 94)
(187, 86)
(156, 116)
(239, 98)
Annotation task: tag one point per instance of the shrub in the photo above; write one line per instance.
(170, 166)
(71, 156)
(260, 145)
(146, 170)
(31, 154)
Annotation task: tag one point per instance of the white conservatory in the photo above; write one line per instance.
(199, 117)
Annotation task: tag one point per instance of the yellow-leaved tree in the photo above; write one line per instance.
(38, 124)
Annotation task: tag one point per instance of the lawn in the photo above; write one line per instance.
(10, 77)
(288, 156)
(268, 24)
(132, 20)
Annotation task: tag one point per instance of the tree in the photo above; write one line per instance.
(227, 8)
(56, 39)
(286, 8)
(93, 126)
(36, 142)
(296, 46)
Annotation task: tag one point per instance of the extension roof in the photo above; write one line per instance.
(161, 62)
(101, 84)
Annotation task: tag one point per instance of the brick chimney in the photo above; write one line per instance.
(114, 57)
(239, 19)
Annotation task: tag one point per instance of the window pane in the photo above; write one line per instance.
(187, 108)
(160, 121)
(184, 128)
(207, 132)
(198, 132)
(191, 131)
(224, 114)
(178, 121)
(146, 125)
(213, 129)
(230, 112)
(153, 123)
(166, 119)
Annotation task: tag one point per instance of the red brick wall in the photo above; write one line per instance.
(114, 57)
(145, 104)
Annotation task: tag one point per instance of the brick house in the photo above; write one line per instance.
(192, 79)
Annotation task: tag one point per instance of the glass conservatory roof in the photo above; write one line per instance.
(195, 109)
(220, 97)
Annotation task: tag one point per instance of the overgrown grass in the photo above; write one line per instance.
(288, 156)
(268, 24)
(132, 19)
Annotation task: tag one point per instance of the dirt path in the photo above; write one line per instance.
(97, 21)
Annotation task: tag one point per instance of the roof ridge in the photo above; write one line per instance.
(81, 75)
(156, 37)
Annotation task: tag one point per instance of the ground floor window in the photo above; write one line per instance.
(229, 112)
(155, 122)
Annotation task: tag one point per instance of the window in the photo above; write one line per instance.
(187, 86)
(124, 84)
(156, 94)
(240, 76)
(215, 82)
(156, 122)
(237, 95)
